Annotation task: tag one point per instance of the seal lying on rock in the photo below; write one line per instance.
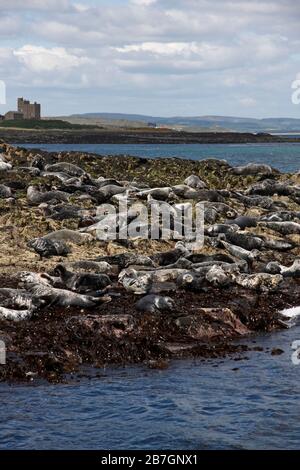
(135, 282)
(240, 252)
(66, 298)
(46, 248)
(252, 169)
(270, 187)
(4, 165)
(18, 298)
(82, 282)
(214, 230)
(5, 191)
(66, 235)
(86, 265)
(280, 216)
(154, 304)
(259, 201)
(217, 277)
(275, 268)
(123, 260)
(191, 281)
(243, 222)
(36, 197)
(245, 240)
(65, 167)
(285, 228)
(194, 182)
(14, 315)
(170, 257)
(261, 281)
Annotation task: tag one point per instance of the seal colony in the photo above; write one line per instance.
(68, 299)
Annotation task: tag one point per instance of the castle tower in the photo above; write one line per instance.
(29, 110)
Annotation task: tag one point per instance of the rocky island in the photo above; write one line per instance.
(68, 299)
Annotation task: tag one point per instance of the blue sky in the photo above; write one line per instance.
(156, 57)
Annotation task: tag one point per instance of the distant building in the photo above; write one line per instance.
(13, 116)
(26, 110)
(29, 110)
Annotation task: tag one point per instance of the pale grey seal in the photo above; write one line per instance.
(66, 235)
(65, 167)
(5, 191)
(66, 298)
(252, 169)
(240, 252)
(214, 230)
(36, 197)
(14, 315)
(285, 228)
(194, 182)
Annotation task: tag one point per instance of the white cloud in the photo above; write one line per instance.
(143, 2)
(163, 53)
(247, 102)
(40, 59)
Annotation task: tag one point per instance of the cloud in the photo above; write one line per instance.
(40, 59)
(247, 102)
(178, 55)
(34, 5)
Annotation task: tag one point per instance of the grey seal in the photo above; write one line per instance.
(66, 235)
(270, 187)
(191, 281)
(291, 271)
(14, 315)
(240, 252)
(5, 191)
(243, 221)
(66, 298)
(245, 240)
(82, 282)
(195, 182)
(154, 304)
(285, 228)
(252, 169)
(65, 167)
(47, 248)
(36, 197)
(214, 230)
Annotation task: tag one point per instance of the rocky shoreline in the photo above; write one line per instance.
(68, 299)
(135, 136)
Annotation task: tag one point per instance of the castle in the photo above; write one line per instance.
(26, 110)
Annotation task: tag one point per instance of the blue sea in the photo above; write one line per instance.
(252, 403)
(284, 157)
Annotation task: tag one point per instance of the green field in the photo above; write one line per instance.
(44, 124)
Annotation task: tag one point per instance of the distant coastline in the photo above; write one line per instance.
(135, 136)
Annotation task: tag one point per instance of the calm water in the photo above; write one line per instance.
(191, 405)
(285, 157)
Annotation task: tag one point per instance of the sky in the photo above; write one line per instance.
(154, 57)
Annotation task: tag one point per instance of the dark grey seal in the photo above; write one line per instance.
(82, 282)
(47, 248)
(154, 304)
